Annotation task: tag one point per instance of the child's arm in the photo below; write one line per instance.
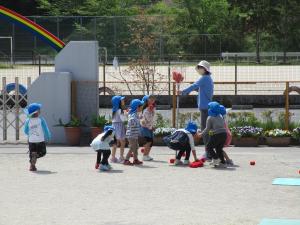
(46, 130)
(192, 144)
(208, 127)
(193, 87)
(194, 155)
(26, 127)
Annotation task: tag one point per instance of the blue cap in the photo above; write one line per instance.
(135, 103)
(32, 108)
(116, 102)
(222, 110)
(214, 109)
(108, 128)
(191, 127)
(145, 98)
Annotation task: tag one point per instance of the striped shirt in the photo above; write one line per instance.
(133, 127)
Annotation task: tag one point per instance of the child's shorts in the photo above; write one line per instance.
(39, 148)
(147, 135)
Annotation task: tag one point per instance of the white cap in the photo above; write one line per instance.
(205, 65)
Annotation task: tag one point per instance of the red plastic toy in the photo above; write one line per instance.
(177, 77)
(196, 164)
(252, 163)
(172, 161)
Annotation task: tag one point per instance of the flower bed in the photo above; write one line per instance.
(246, 136)
(278, 138)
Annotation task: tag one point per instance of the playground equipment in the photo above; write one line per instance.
(32, 27)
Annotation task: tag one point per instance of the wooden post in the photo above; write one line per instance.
(73, 98)
(287, 113)
(169, 78)
(104, 78)
(235, 75)
(17, 109)
(174, 106)
(4, 95)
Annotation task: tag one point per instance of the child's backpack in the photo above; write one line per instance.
(177, 140)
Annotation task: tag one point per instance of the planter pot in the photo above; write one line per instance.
(278, 141)
(158, 141)
(73, 135)
(245, 142)
(95, 131)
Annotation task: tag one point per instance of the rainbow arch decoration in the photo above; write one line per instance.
(31, 26)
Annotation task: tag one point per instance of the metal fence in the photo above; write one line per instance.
(158, 80)
(114, 33)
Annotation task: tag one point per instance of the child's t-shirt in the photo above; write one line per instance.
(37, 130)
(133, 126)
(147, 119)
(191, 138)
(98, 144)
(214, 124)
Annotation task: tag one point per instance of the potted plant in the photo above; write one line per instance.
(98, 122)
(246, 136)
(296, 134)
(278, 137)
(161, 132)
(72, 130)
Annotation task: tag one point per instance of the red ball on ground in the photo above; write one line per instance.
(172, 161)
(252, 163)
(196, 164)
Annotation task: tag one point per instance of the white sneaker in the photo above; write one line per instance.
(186, 162)
(121, 160)
(178, 162)
(109, 167)
(103, 168)
(215, 162)
(147, 158)
(230, 162)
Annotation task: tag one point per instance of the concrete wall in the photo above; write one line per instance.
(53, 91)
(78, 62)
(81, 59)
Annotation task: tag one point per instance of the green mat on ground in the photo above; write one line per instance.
(279, 222)
(287, 181)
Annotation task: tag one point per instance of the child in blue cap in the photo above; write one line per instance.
(118, 118)
(216, 131)
(133, 131)
(38, 133)
(101, 144)
(183, 140)
(147, 125)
